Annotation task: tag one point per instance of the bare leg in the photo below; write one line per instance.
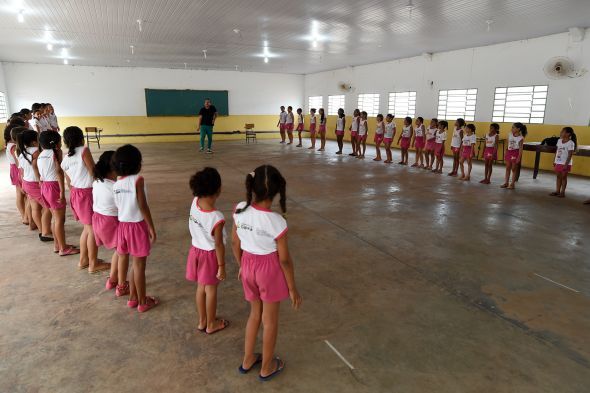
(20, 204)
(201, 307)
(300, 142)
(138, 283)
(46, 222)
(507, 175)
(84, 260)
(469, 167)
(59, 231)
(563, 183)
(114, 267)
(252, 327)
(36, 211)
(462, 163)
(270, 322)
(123, 266)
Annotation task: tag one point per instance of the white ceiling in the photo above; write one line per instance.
(348, 32)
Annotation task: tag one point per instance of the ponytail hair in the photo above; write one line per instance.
(522, 128)
(103, 166)
(25, 139)
(73, 138)
(265, 183)
(322, 115)
(50, 140)
(461, 122)
(14, 133)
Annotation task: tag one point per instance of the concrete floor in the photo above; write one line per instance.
(422, 282)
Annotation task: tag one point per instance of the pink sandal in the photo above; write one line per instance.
(132, 303)
(122, 289)
(110, 284)
(70, 250)
(150, 302)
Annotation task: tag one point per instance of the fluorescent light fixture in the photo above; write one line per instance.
(314, 44)
(132, 48)
(205, 53)
(266, 59)
(265, 43)
(139, 25)
(66, 62)
(21, 16)
(50, 46)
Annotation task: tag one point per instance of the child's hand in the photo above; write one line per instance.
(296, 298)
(221, 273)
(152, 235)
(240, 274)
(62, 199)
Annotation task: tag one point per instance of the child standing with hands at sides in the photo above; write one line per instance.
(361, 139)
(419, 143)
(490, 153)
(388, 136)
(354, 130)
(136, 232)
(467, 151)
(456, 144)
(563, 160)
(53, 190)
(281, 123)
(10, 136)
(430, 143)
(405, 138)
(104, 219)
(289, 124)
(206, 259)
(312, 127)
(300, 125)
(379, 136)
(266, 268)
(323, 121)
(439, 146)
(340, 125)
(514, 153)
(78, 166)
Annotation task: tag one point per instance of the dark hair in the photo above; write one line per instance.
(568, 130)
(408, 119)
(206, 182)
(471, 127)
(282, 106)
(299, 110)
(127, 160)
(421, 119)
(290, 107)
(522, 128)
(341, 113)
(8, 129)
(390, 115)
(312, 110)
(24, 140)
(380, 116)
(265, 183)
(364, 113)
(435, 120)
(461, 122)
(35, 107)
(25, 111)
(322, 115)
(15, 132)
(444, 123)
(356, 112)
(50, 140)
(73, 138)
(496, 127)
(104, 165)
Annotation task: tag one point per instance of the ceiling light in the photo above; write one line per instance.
(132, 48)
(65, 61)
(49, 46)
(237, 31)
(64, 52)
(139, 25)
(489, 22)
(314, 44)
(266, 59)
(205, 53)
(21, 16)
(265, 43)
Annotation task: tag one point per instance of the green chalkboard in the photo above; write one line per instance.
(183, 102)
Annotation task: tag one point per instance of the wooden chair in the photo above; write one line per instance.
(250, 133)
(93, 134)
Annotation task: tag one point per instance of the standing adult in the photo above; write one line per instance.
(207, 116)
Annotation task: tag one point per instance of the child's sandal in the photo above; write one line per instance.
(150, 302)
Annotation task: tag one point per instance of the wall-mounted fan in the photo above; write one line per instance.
(345, 87)
(562, 68)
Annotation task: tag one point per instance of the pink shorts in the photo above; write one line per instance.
(300, 127)
(105, 230)
(430, 144)
(81, 202)
(133, 238)
(419, 142)
(312, 129)
(405, 144)
(354, 134)
(512, 156)
(339, 132)
(378, 138)
(262, 278)
(490, 153)
(289, 127)
(282, 127)
(467, 152)
(201, 266)
(361, 138)
(455, 150)
(560, 168)
(387, 141)
(50, 193)
(15, 176)
(33, 191)
(438, 150)
(322, 129)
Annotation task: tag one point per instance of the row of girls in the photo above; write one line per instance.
(109, 199)
(430, 144)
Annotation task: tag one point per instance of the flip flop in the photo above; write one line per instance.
(554, 194)
(274, 373)
(224, 322)
(150, 302)
(132, 303)
(258, 360)
(45, 238)
(69, 251)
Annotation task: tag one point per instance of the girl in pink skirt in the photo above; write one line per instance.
(405, 137)
(456, 144)
(361, 138)
(513, 154)
(563, 161)
(10, 134)
(430, 143)
(312, 127)
(205, 264)
(467, 151)
(354, 131)
(53, 189)
(104, 218)
(340, 127)
(289, 124)
(78, 166)
(388, 136)
(300, 125)
(266, 269)
(379, 136)
(323, 121)
(439, 147)
(490, 153)
(419, 143)
(136, 232)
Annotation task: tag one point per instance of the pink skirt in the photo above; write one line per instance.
(300, 127)
(33, 191)
(455, 150)
(438, 150)
(201, 266)
(405, 144)
(512, 156)
(50, 193)
(105, 230)
(133, 239)
(467, 152)
(430, 144)
(339, 132)
(289, 127)
(322, 129)
(15, 176)
(378, 138)
(262, 278)
(387, 141)
(282, 127)
(312, 129)
(361, 138)
(560, 168)
(353, 134)
(490, 153)
(81, 202)
(419, 142)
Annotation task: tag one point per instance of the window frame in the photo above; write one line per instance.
(375, 102)
(335, 111)
(4, 107)
(465, 111)
(392, 111)
(502, 118)
(317, 107)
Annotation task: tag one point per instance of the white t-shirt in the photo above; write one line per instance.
(10, 147)
(354, 126)
(35, 124)
(53, 121)
(563, 150)
(406, 132)
(440, 136)
(456, 141)
(283, 117)
(76, 169)
(47, 165)
(202, 224)
(491, 140)
(103, 198)
(28, 170)
(259, 229)
(514, 141)
(389, 130)
(300, 119)
(362, 127)
(340, 124)
(379, 129)
(431, 133)
(419, 131)
(469, 140)
(125, 195)
(44, 124)
(312, 119)
(289, 119)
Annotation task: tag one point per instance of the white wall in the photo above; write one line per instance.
(485, 68)
(119, 91)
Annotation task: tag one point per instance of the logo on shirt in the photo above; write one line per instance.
(121, 191)
(245, 227)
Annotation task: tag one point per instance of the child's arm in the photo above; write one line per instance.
(237, 249)
(144, 208)
(343, 124)
(220, 250)
(35, 167)
(288, 271)
(520, 149)
(497, 142)
(60, 178)
(88, 160)
(412, 136)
